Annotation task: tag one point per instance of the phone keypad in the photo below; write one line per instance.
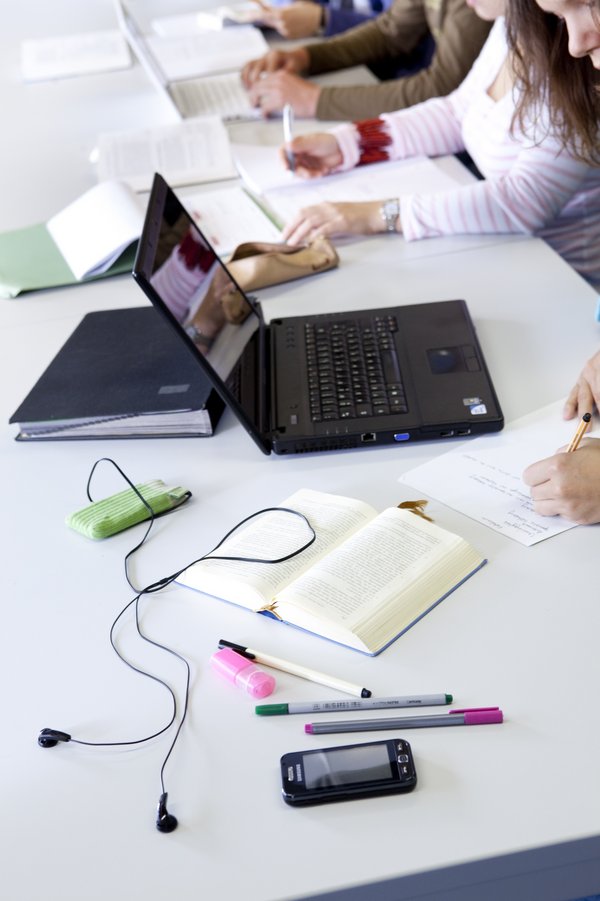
(403, 760)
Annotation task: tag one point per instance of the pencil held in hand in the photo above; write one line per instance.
(288, 135)
(581, 430)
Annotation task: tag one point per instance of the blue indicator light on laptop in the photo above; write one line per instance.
(401, 436)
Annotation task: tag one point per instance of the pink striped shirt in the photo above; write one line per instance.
(531, 184)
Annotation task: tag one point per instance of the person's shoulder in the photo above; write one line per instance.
(497, 37)
(442, 12)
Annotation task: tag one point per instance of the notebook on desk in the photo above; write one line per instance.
(121, 374)
(210, 95)
(321, 382)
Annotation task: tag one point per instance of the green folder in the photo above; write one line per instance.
(30, 260)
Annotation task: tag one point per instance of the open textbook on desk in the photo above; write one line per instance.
(365, 580)
(263, 173)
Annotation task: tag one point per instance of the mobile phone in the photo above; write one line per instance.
(350, 771)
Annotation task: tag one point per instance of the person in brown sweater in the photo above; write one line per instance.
(431, 44)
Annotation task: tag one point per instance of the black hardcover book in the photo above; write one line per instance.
(121, 374)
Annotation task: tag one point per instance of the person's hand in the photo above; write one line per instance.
(272, 91)
(333, 219)
(301, 19)
(586, 391)
(568, 484)
(294, 61)
(315, 154)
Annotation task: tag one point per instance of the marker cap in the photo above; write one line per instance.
(481, 716)
(271, 709)
(243, 673)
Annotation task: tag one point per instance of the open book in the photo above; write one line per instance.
(210, 19)
(190, 152)
(366, 579)
(264, 174)
(75, 54)
(195, 53)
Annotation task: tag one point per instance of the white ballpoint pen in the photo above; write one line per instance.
(296, 669)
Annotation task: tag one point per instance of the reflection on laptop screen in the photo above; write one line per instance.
(196, 288)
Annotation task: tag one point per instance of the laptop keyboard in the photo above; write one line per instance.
(353, 369)
(219, 95)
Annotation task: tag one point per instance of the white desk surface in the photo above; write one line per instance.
(516, 803)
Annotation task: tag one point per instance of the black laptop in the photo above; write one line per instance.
(321, 382)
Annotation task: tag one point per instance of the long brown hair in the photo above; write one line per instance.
(549, 77)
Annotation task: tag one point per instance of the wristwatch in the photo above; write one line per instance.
(390, 211)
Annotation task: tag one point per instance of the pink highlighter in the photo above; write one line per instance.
(243, 673)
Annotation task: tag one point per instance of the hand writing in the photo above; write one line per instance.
(568, 484)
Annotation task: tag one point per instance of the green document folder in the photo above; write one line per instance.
(30, 260)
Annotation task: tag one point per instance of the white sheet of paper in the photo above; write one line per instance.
(483, 477)
(74, 54)
(211, 19)
(263, 172)
(190, 152)
(229, 217)
(207, 53)
(94, 230)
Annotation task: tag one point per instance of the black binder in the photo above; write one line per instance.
(121, 374)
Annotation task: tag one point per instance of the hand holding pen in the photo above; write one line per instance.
(315, 155)
(568, 483)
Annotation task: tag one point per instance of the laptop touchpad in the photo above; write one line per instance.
(462, 358)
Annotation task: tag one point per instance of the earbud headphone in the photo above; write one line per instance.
(165, 822)
(49, 738)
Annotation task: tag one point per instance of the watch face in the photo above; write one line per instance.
(390, 210)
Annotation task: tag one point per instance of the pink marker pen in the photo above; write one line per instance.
(243, 673)
(471, 716)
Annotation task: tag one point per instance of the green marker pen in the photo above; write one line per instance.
(359, 704)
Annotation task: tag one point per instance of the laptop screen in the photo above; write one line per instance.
(134, 37)
(184, 278)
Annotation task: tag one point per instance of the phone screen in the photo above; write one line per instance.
(346, 766)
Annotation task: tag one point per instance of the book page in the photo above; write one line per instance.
(94, 230)
(380, 562)
(274, 535)
(229, 217)
(74, 54)
(205, 54)
(211, 19)
(263, 172)
(482, 478)
(190, 152)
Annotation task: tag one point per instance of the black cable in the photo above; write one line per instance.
(163, 583)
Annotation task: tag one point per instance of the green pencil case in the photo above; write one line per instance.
(113, 514)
